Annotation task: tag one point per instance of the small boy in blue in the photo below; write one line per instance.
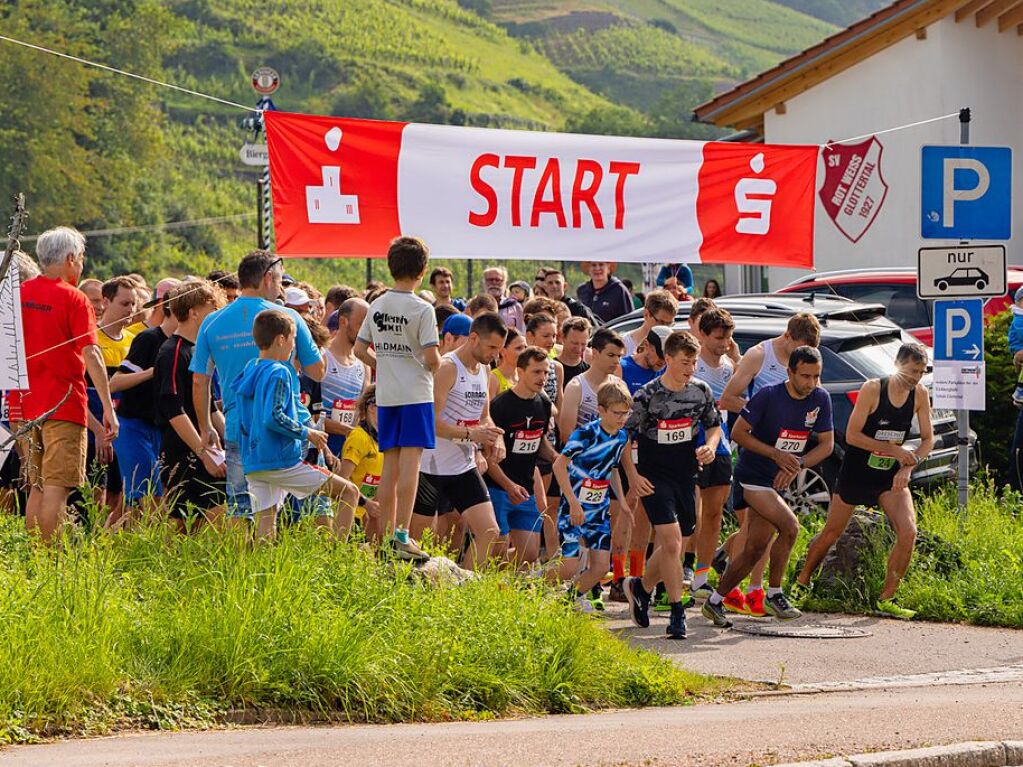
(1016, 344)
(275, 430)
(587, 471)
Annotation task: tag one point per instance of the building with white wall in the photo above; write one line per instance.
(911, 61)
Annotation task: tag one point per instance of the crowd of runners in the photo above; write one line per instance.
(511, 429)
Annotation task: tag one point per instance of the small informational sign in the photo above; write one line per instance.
(959, 385)
(961, 271)
(255, 154)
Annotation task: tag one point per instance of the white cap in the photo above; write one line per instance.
(296, 297)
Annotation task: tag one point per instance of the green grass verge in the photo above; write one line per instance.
(144, 629)
(968, 565)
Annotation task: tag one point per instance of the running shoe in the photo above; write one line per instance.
(889, 608)
(702, 592)
(715, 613)
(617, 593)
(780, 607)
(677, 623)
(597, 602)
(755, 603)
(639, 601)
(407, 552)
(735, 602)
(661, 603)
(720, 561)
(687, 575)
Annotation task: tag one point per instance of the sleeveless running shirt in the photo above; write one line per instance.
(464, 408)
(886, 424)
(550, 386)
(771, 372)
(587, 403)
(715, 377)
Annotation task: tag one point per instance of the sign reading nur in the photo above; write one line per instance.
(966, 193)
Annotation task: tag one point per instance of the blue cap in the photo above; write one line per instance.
(457, 325)
(333, 321)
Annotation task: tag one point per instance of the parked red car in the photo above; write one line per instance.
(895, 288)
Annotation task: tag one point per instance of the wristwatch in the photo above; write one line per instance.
(802, 462)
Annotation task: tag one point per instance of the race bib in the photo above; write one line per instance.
(594, 491)
(465, 425)
(343, 412)
(791, 441)
(634, 450)
(674, 432)
(526, 442)
(885, 462)
(882, 462)
(369, 485)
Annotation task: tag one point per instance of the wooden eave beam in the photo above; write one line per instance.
(990, 12)
(1011, 18)
(970, 8)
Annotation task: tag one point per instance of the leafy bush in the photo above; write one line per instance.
(996, 424)
(968, 564)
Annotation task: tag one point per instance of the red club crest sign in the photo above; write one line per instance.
(853, 189)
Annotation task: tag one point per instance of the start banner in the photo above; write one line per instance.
(345, 188)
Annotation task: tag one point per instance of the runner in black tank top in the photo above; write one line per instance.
(877, 469)
(864, 474)
(571, 371)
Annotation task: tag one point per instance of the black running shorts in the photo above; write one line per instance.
(716, 473)
(672, 501)
(463, 491)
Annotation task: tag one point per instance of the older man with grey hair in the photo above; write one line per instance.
(60, 347)
(495, 282)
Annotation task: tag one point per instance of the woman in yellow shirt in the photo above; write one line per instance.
(504, 376)
(363, 463)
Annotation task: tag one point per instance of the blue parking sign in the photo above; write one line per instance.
(959, 330)
(966, 193)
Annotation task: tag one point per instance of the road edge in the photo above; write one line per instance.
(1006, 753)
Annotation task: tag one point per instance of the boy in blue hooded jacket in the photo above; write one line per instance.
(272, 436)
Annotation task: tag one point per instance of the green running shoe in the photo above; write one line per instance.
(889, 608)
(661, 605)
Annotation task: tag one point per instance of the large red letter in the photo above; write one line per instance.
(551, 177)
(623, 170)
(484, 190)
(519, 164)
(586, 194)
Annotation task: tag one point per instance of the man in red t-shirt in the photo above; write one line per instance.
(60, 346)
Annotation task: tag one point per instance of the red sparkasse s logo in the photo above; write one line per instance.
(853, 189)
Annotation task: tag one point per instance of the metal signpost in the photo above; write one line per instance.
(965, 194)
(265, 81)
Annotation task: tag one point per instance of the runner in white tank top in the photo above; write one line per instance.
(464, 407)
(772, 370)
(587, 403)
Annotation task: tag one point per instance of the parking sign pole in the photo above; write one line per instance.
(963, 416)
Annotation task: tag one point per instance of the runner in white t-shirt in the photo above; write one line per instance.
(450, 471)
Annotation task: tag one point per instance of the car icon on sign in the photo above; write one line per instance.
(965, 276)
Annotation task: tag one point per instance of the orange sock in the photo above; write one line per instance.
(637, 561)
(618, 566)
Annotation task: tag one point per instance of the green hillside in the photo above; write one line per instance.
(100, 151)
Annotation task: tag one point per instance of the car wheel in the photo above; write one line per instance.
(981, 284)
(943, 285)
(809, 492)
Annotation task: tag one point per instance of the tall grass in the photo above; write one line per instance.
(968, 565)
(147, 629)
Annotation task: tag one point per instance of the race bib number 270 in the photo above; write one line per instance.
(792, 441)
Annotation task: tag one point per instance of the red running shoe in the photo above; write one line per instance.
(755, 603)
(735, 602)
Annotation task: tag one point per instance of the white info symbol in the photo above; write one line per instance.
(757, 210)
(325, 204)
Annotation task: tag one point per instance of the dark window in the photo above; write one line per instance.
(900, 300)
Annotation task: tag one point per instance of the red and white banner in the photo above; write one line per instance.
(345, 188)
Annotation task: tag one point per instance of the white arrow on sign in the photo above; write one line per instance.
(974, 351)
